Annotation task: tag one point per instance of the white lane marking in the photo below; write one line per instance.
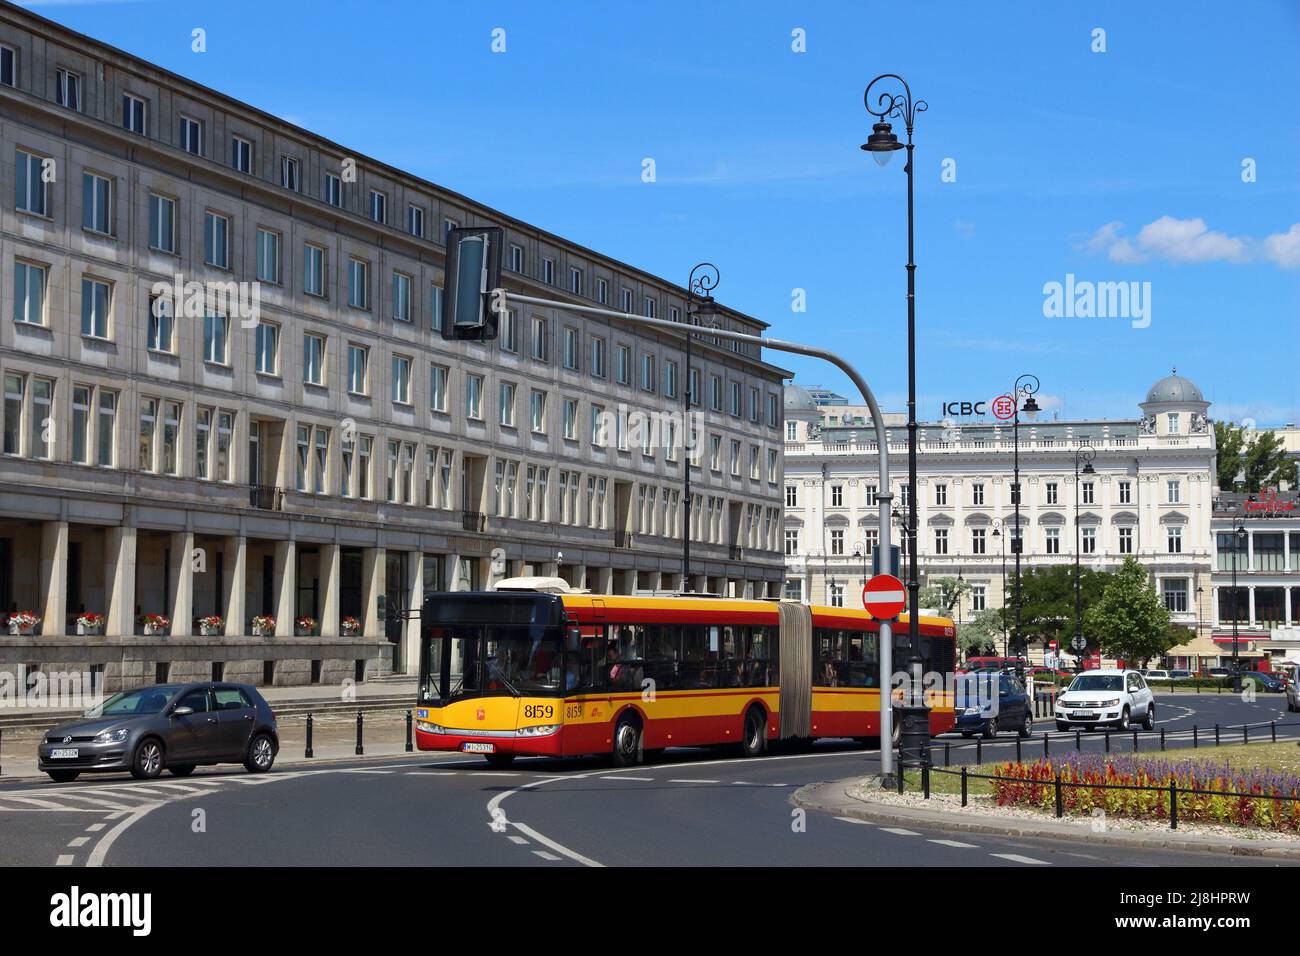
(956, 844)
(747, 783)
(94, 828)
(365, 771)
(690, 780)
(146, 790)
(43, 804)
(546, 856)
(78, 841)
(851, 820)
(64, 859)
(496, 773)
(106, 842)
(557, 847)
(637, 779)
(1017, 858)
(99, 803)
(517, 839)
(898, 831)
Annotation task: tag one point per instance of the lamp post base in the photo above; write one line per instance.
(914, 742)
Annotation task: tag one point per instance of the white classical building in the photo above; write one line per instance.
(1151, 497)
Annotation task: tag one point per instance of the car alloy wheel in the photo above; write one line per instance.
(1124, 718)
(148, 761)
(262, 753)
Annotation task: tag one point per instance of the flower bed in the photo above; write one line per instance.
(1214, 805)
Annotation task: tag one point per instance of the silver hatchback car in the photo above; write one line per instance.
(165, 726)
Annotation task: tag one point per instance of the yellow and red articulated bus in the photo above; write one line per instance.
(504, 673)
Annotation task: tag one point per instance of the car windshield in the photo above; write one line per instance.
(517, 661)
(1097, 682)
(131, 703)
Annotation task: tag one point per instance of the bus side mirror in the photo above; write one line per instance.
(572, 639)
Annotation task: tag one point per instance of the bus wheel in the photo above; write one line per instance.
(627, 741)
(754, 740)
(499, 761)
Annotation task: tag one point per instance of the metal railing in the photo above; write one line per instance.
(266, 497)
(473, 521)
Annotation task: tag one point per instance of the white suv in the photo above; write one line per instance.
(1106, 698)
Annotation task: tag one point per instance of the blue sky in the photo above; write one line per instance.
(1115, 166)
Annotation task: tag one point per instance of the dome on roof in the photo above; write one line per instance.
(1175, 388)
(798, 398)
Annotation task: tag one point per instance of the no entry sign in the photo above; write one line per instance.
(884, 597)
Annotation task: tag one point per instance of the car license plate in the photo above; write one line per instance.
(1083, 715)
(473, 748)
(65, 754)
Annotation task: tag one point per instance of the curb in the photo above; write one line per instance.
(833, 797)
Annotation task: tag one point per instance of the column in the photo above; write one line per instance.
(373, 569)
(182, 572)
(451, 571)
(54, 577)
(410, 650)
(580, 576)
(119, 581)
(236, 596)
(286, 587)
(330, 578)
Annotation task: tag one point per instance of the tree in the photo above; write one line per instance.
(1047, 602)
(944, 593)
(980, 635)
(1264, 459)
(1129, 618)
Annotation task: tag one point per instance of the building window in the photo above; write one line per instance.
(1126, 492)
(97, 203)
(401, 380)
(364, 448)
(979, 598)
(133, 114)
(41, 444)
(171, 426)
(401, 297)
(202, 443)
(773, 410)
(1052, 541)
(8, 66)
(438, 388)
(216, 339)
(773, 465)
(791, 430)
(537, 411)
(474, 397)
(96, 298)
(302, 458)
(625, 299)
(378, 206)
(15, 388)
(506, 404)
(837, 542)
(1125, 540)
(791, 496)
(447, 226)
(106, 430)
(571, 419)
(289, 178)
(602, 291)
(516, 258)
(162, 223)
(268, 256)
(548, 271)
(1089, 496)
(415, 220)
(1174, 539)
(268, 348)
(333, 191)
(313, 278)
(539, 338)
(358, 369)
(575, 281)
(148, 431)
(216, 240)
(1051, 495)
(837, 496)
(623, 367)
(1173, 423)
(647, 372)
(31, 192)
(940, 494)
(358, 284)
(241, 154)
(191, 136)
(940, 540)
(734, 459)
(1088, 540)
(313, 359)
(598, 358)
(1174, 592)
(67, 88)
(650, 307)
(435, 309)
(978, 541)
(1173, 489)
(977, 493)
(81, 424)
(29, 293)
(736, 409)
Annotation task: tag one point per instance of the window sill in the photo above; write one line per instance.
(275, 376)
(42, 217)
(95, 233)
(96, 338)
(219, 366)
(22, 324)
(361, 396)
(317, 385)
(162, 354)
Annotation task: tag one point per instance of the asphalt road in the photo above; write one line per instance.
(690, 808)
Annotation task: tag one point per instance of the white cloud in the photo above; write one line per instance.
(1190, 240)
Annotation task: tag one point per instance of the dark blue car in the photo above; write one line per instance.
(977, 712)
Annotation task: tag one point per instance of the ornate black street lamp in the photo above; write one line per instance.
(882, 144)
(1026, 385)
(1084, 454)
(699, 303)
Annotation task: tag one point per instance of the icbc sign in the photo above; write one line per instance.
(1004, 407)
(964, 408)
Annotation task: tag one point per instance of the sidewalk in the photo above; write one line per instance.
(837, 799)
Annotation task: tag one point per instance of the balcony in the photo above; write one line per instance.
(475, 521)
(737, 553)
(266, 497)
(622, 539)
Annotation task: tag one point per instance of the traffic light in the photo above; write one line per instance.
(473, 271)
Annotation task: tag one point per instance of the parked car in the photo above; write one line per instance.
(171, 726)
(1218, 672)
(1265, 681)
(1010, 711)
(1106, 698)
(1293, 697)
(995, 663)
(1180, 675)
(1156, 675)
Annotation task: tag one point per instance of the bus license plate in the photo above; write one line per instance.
(475, 748)
(68, 754)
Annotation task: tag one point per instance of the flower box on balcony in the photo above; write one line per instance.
(155, 624)
(23, 623)
(263, 626)
(304, 627)
(213, 625)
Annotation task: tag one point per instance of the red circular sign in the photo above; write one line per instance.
(1004, 407)
(884, 597)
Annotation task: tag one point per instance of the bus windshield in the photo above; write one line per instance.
(471, 660)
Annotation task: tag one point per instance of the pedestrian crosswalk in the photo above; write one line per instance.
(115, 798)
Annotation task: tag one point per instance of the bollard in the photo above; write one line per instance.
(1135, 741)
(1245, 734)
(360, 749)
(979, 751)
(1216, 735)
(963, 785)
(409, 745)
(1173, 805)
(1272, 730)
(1107, 740)
(899, 775)
(1046, 750)
(1078, 741)
(1195, 736)
(1017, 748)
(1162, 739)
(946, 754)
(925, 779)
(1060, 808)
(308, 751)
